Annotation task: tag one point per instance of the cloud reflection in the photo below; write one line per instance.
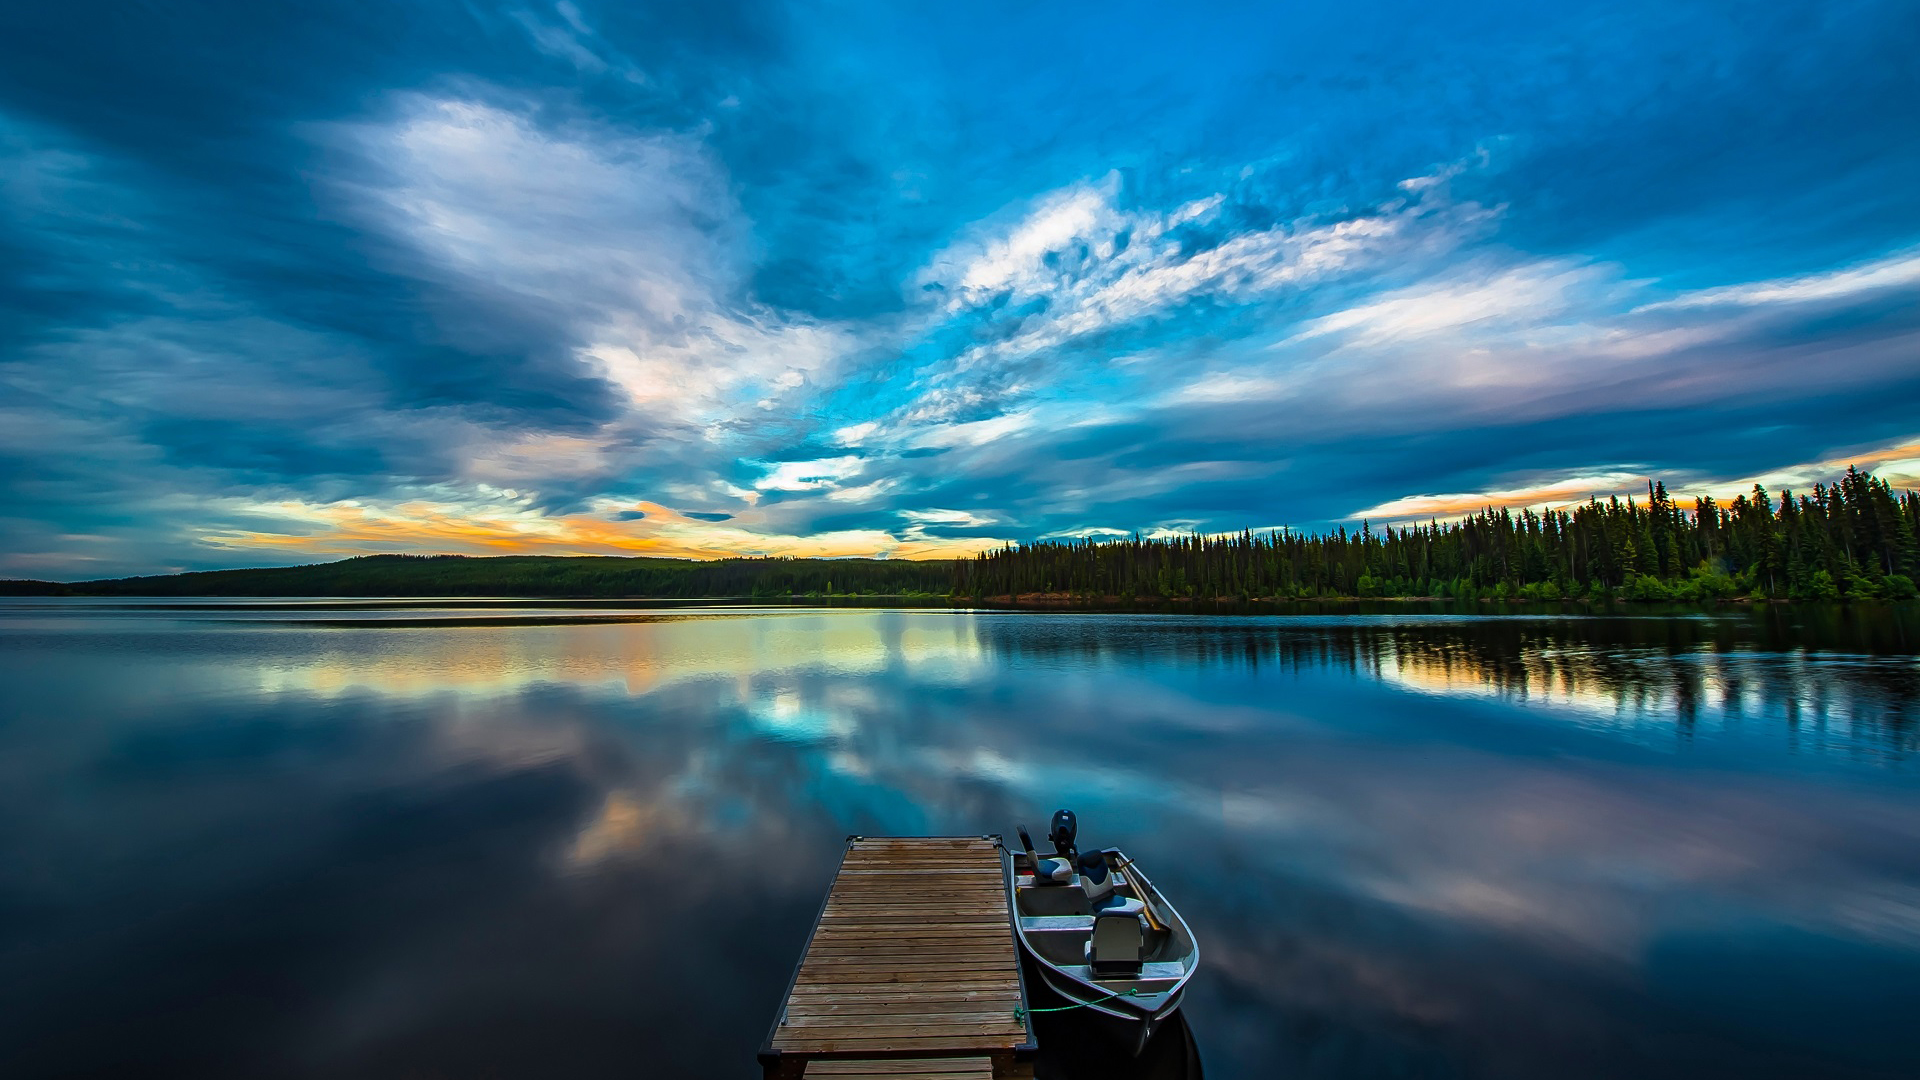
(1406, 841)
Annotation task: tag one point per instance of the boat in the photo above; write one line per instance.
(1100, 935)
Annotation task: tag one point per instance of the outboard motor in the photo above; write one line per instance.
(1065, 829)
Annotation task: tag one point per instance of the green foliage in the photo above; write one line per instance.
(1705, 582)
(1540, 590)
(1645, 587)
(1820, 587)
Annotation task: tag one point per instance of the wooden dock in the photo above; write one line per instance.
(912, 969)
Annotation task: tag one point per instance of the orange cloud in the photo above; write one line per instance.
(421, 527)
(1558, 493)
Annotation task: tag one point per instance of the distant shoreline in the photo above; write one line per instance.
(1035, 602)
(531, 577)
(1857, 540)
(1052, 600)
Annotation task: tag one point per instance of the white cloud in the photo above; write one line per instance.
(1102, 532)
(966, 518)
(572, 39)
(815, 475)
(865, 493)
(856, 434)
(977, 432)
(1265, 262)
(1099, 267)
(1531, 295)
(1230, 387)
(1893, 271)
(920, 522)
(1069, 250)
(1017, 261)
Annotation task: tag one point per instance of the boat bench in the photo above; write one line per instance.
(1056, 924)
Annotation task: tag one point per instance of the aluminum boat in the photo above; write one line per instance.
(1099, 933)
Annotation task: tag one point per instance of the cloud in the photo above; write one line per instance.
(947, 517)
(930, 524)
(1532, 295)
(1553, 494)
(570, 38)
(809, 475)
(1545, 338)
(1028, 258)
(628, 247)
(625, 243)
(1900, 270)
(1098, 268)
(487, 522)
(856, 434)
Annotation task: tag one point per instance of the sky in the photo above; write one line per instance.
(285, 283)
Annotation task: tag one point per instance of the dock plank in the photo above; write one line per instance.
(911, 969)
(942, 1068)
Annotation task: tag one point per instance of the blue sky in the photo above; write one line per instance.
(280, 283)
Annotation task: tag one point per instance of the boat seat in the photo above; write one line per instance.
(1051, 900)
(1102, 884)
(1053, 872)
(1113, 950)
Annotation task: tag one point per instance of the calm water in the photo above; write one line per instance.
(467, 840)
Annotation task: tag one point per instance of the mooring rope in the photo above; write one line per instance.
(1020, 1014)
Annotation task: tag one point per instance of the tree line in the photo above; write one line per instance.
(1854, 539)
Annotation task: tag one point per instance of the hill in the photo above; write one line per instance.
(529, 575)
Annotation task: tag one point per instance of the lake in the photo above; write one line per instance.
(507, 839)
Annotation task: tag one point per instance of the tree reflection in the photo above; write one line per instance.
(1832, 671)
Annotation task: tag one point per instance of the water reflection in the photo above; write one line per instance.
(238, 843)
(1625, 671)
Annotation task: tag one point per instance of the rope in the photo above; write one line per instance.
(1020, 1014)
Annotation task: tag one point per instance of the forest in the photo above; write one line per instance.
(1855, 539)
